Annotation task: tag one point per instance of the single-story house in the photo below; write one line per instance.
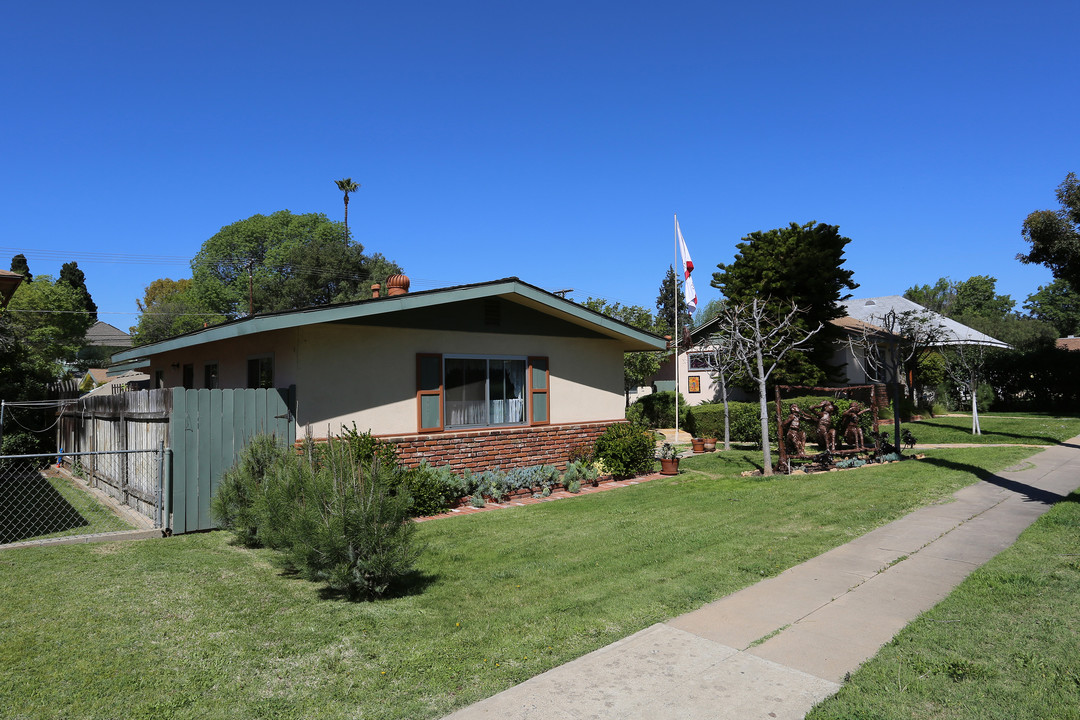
(496, 373)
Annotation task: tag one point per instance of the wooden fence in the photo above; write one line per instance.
(111, 423)
(203, 432)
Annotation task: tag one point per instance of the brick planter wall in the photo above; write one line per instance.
(507, 448)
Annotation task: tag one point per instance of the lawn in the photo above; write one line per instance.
(1032, 429)
(36, 505)
(1002, 645)
(194, 626)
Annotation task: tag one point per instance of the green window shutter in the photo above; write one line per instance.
(539, 378)
(429, 392)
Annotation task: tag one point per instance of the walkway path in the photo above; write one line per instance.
(775, 649)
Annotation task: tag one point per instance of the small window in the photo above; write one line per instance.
(210, 376)
(189, 376)
(261, 372)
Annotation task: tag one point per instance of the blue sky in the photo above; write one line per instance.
(552, 141)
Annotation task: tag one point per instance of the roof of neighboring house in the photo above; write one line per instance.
(873, 309)
(1068, 343)
(99, 375)
(105, 335)
(422, 308)
(128, 377)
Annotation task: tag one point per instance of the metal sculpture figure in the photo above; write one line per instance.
(849, 424)
(792, 429)
(826, 431)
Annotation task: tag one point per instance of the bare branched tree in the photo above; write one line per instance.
(964, 363)
(760, 340)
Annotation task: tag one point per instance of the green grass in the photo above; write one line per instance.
(1003, 645)
(37, 507)
(1033, 430)
(194, 626)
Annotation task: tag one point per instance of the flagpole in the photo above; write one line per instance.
(675, 290)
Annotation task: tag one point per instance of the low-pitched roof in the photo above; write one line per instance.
(377, 310)
(1068, 343)
(874, 309)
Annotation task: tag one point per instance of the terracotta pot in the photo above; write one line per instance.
(669, 467)
(699, 444)
(710, 444)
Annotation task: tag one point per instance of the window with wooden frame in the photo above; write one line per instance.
(474, 391)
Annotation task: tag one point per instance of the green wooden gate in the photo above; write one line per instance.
(207, 431)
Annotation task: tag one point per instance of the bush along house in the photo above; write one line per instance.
(499, 373)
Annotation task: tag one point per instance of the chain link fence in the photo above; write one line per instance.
(50, 496)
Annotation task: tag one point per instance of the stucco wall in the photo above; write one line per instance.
(345, 373)
(374, 375)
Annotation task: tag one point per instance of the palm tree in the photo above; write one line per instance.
(347, 186)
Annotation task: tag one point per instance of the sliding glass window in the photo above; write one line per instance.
(481, 392)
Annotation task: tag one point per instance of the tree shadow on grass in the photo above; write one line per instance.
(1029, 492)
(410, 584)
(31, 507)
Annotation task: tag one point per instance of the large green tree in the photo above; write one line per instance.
(76, 279)
(1054, 235)
(638, 367)
(282, 262)
(1057, 304)
(41, 333)
(19, 265)
(939, 297)
(169, 308)
(671, 301)
(800, 264)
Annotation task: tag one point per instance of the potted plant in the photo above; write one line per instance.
(698, 444)
(669, 460)
(710, 444)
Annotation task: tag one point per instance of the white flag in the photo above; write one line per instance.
(687, 268)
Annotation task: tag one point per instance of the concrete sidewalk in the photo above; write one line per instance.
(775, 649)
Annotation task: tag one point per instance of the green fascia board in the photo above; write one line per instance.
(118, 369)
(532, 296)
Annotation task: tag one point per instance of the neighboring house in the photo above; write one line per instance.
(697, 381)
(1068, 343)
(110, 385)
(497, 373)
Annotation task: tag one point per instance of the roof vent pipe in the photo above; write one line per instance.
(397, 285)
(375, 287)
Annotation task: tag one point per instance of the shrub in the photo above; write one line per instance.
(349, 527)
(432, 489)
(574, 487)
(658, 411)
(744, 422)
(626, 450)
(334, 518)
(233, 505)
